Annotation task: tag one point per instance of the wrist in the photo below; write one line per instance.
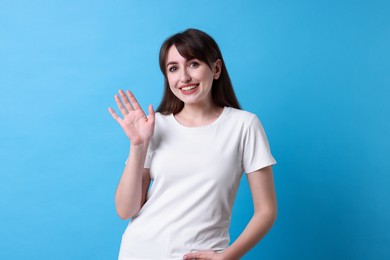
(138, 150)
(227, 254)
(139, 146)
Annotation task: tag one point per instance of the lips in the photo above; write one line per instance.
(189, 89)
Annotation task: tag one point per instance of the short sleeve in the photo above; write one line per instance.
(148, 159)
(256, 151)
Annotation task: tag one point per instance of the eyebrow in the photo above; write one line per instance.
(172, 63)
(175, 62)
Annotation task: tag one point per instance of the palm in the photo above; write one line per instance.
(137, 126)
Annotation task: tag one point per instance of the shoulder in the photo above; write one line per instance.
(162, 122)
(245, 121)
(240, 112)
(241, 116)
(161, 117)
(162, 126)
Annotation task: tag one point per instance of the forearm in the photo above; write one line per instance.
(128, 197)
(256, 229)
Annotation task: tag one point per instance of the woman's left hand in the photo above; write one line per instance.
(206, 255)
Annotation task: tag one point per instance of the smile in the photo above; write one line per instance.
(189, 88)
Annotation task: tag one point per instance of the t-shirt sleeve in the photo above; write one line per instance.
(256, 152)
(148, 159)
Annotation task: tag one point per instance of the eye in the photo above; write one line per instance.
(172, 68)
(194, 64)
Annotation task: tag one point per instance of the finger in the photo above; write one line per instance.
(120, 105)
(114, 115)
(133, 100)
(191, 256)
(204, 254)
(125, 100)
(152, 114)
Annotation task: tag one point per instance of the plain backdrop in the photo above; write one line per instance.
(316, 73)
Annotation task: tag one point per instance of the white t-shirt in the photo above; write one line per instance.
(196, 172)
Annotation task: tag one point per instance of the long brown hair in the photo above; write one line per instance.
(195, 44)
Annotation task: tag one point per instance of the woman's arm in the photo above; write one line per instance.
(265, 208)
(261, 184)
(132, 188)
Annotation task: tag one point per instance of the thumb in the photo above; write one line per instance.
(152, 114)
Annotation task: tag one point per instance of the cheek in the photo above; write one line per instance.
(171, 85)
(207, 75)
(171, 81)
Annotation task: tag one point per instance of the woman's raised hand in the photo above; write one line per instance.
(137, 126)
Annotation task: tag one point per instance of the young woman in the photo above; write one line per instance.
(195, 150)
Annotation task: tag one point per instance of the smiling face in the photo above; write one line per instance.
(191, 80)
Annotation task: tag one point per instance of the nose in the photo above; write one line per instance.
(185, 76)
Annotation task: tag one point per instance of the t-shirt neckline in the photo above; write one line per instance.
(204, 127)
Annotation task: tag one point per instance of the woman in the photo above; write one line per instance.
(195, 149)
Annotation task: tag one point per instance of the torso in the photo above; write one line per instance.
(196, 172)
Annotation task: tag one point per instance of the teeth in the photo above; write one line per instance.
(189, 88)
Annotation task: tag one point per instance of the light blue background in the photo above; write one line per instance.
(317, 73)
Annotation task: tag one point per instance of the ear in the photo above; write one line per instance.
(217, 69)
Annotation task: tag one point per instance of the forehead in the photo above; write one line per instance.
(173, 55)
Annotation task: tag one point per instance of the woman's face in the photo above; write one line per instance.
(190, 80)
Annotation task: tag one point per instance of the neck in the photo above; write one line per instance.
(193, 115)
